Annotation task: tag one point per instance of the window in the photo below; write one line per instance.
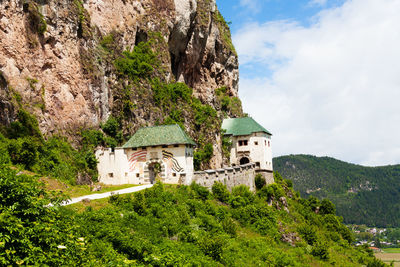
(111, 175)
(164, 146)
(269, 144)
(242, 142)
(134, 149)
(257, 164)
(126, 174)
(256, 143)
(176, 145)
(174, 174)
(265, 143)
(137, 175)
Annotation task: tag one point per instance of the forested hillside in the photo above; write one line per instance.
(362, 195)
(172, 226)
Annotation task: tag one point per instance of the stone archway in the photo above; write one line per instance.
(244, 160)
(152, 169)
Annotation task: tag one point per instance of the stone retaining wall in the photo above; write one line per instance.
(233, 176)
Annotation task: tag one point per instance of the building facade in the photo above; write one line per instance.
(163, 152)
(251, 143)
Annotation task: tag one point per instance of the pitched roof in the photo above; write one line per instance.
(159, 135)
(242, 126)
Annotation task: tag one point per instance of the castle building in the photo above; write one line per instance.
(165, 151)
(251, 143)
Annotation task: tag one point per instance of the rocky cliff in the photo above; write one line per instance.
(57, 59)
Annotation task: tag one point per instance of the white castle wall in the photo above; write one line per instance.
(131, 166)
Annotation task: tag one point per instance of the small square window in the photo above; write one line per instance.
(111, 175)
(137, 175)
(257, 164)
(256, 143)
(174, 174)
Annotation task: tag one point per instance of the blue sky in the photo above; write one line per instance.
(321, 75)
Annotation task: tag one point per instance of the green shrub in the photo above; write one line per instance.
(259, 181)
(111, 126)
(24, 151)
(220, 192)
(202, 156)
(137, 63)
(25, 125)
(92, 138)
(34, 233)
(200, 191)
(320, 249)
(308, 233)
(327, 207)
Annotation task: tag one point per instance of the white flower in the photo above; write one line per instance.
(61, 247)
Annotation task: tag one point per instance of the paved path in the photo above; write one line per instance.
(107, 194)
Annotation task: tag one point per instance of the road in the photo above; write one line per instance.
(107, 194)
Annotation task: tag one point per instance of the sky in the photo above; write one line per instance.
(322, 75)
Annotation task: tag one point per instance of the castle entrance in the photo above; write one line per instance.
(154, 171)
(244, 160)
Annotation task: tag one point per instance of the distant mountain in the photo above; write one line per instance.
(362, 195)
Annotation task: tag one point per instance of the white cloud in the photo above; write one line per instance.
(335, 85)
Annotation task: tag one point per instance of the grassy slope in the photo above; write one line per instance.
(376, 190)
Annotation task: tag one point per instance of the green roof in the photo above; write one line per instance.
(242, 126)
(159, 135)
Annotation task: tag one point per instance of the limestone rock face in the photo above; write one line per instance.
(49, 55)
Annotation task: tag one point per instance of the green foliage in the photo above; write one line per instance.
(166, 226)
(229, 104)
(23, 151)
(308, 233)
(111, 126)
(24, 146)
(204, 115)
(220, 192)
(327, 207)
(358, 192)
(320, 249)
(259, 181)
(25, 125)
(202, 156)
(34, 233)
(138, 63)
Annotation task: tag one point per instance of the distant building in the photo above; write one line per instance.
(251, 143)
(164, 150)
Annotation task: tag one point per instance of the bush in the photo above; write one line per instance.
(23, 151)
(137, 63)
(259, 181)
(34, 233)
(308, 233)
(200, 191)
(220, 192)
(320, 249)
(202, 156)
(327, 207)
(111, 126)
(25, 125)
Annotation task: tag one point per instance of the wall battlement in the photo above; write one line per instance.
(232, 176)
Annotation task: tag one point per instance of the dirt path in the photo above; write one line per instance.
(107, 194)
